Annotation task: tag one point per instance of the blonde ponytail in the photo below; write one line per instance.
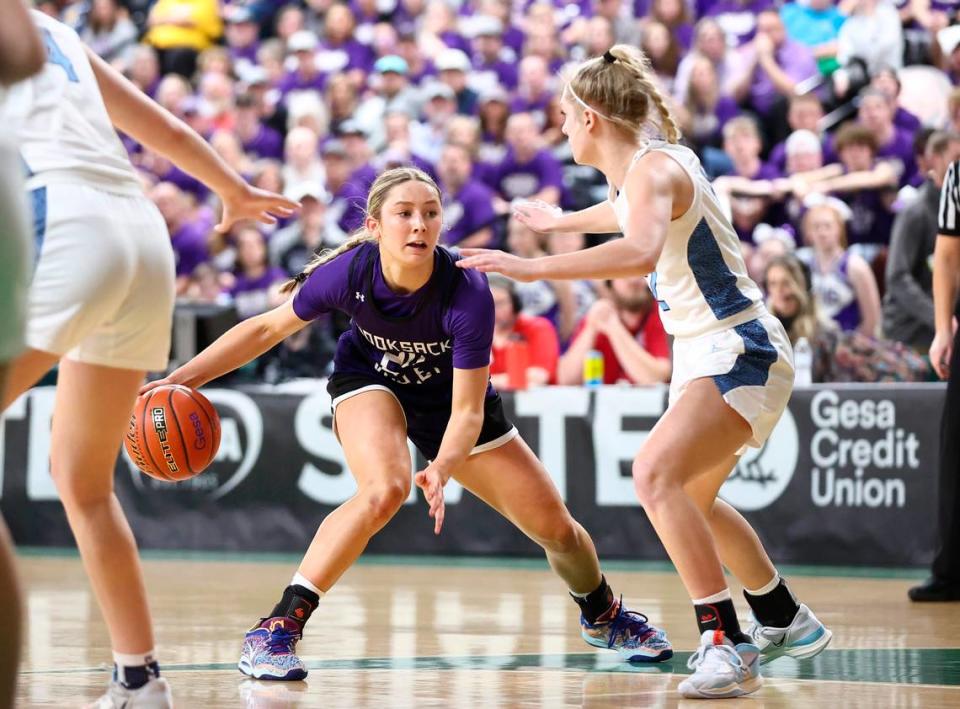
(619, 86)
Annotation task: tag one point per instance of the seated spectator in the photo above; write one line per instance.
(776, 65)
(253, 274)
(706, 110)
(528, 170)
(418, 63)
(257, 138)
(208, 285)
(710, 42)
(663, 51)
(242, 33)
(180, 30)
(452, 68)
(627, 331)
(494, 64)
(305, 76)
(109, 31)
(343, 101)
(872, 33)
(188, 228)
(908, 300)
(392, 93)
(493, 111)
(741, 142)
(584, 291)
(341, 52)
(843, 284)
(529, 339)
(894, 145)
(804, 112)
(815, 24)
(737, 18)
(143, 69)
(543, 41)
(838, 356)
(675, 16)
(935, 15)
(348, 198)
(302, 162)
(534, 89)
(438, 29)
(887, 81)
(439, 106)
(467, 203)
(293, 246)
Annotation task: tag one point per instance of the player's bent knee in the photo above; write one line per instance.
(651, 481)
(384, 500)
(561, 536)
(77, 489)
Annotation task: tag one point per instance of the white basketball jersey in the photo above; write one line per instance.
(701, 282)
(63, 131)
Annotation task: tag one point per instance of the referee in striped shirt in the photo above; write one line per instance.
(944, 584)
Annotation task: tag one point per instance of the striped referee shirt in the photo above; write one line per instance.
(949, 219)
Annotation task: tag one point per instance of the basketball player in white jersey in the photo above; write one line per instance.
(733, 365)
(101, 305)
(21, 54)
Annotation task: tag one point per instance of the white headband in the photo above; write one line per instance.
(585, 104)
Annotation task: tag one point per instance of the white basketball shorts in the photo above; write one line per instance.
(103, 290)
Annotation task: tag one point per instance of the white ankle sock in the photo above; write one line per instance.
(134, 660)
(723, 595)
(301, 580)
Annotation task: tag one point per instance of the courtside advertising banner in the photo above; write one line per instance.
(847, 477)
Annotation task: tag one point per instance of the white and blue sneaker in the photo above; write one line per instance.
(629, 633)
(722, 669)
(155, 694)
(269, 651)
(803, 638)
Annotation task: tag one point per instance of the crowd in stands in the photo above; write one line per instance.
(827, 128)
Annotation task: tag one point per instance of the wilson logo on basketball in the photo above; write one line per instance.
(133, 448)
(160, 428)
(200, 442)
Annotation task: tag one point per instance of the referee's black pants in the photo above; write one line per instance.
(946, 564)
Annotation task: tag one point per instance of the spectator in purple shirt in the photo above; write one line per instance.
(188, 227)
(241, 33)
(341, 51)
(494, 110)
(533, 92)
(347, 197)
(513, 37)
(306, 76)
(663, 51)
(777, 65)
(420, 68)
(257, 139)
(529, 170)
(738, 18)
(876, 113)
(741, 142)
(253, 274)
(804, 113)
(490, 56)
(711, 42)
(706, 110)
(675, 16)
(144, 69)
(439, 28)
(887, 81)
(468, 214)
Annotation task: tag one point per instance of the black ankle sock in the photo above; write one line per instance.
(595, 603)
(776, 608)
(297, 604)
(720, 616)
(136, 677)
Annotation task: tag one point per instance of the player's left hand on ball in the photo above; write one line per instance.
(431, 481)
(492, 261)
(256, 204)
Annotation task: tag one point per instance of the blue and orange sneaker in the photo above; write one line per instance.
(269, 651)
(629, 633)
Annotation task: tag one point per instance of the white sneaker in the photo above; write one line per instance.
(155, 694)
(803, 638)
(722, 669)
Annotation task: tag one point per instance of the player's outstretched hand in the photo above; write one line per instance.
(254, 203)
(431, 481)
(488, 260)
(537, 215)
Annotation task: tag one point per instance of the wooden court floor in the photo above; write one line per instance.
(471, 633)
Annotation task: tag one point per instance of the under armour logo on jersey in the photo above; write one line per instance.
(360, 296)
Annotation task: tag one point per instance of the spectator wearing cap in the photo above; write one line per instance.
(242, 33)
(776, 64)
(109, 32)
(627, 331)
(534, 90)
(876, 113)
(468, 214)
(180, 30)
(391, 93)
(291, 247)
(302, 164)
(908, 300)
(305, 76)
(529, 170)
(439, 106)
(347, 197)
(453, 66)
(257, 138)
(189, 229)
(341, 51)
(493, 64)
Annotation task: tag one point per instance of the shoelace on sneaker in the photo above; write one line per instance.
(280, 641)
(629, 624)
(713, 656)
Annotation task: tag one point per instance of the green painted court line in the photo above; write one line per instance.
(478, 562)
(937, 667)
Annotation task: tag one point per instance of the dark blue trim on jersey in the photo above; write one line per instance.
(714, 278)
(38, 201)
(753, 366)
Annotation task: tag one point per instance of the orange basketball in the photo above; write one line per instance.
(174, 433)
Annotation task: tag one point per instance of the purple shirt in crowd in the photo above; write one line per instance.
(899, 152)
(737, 18)
(295, 81)
(185, 182)
(252, 295)
(506, 72)
(468, 211)
(411, 342)
(835, 295)
(796, 61)
(513, 179)
(355, 55)
(267, 143)
(190, 245)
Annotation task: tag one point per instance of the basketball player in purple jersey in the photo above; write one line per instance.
(415, 363)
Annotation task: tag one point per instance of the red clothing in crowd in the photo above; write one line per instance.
(649, 333)
(543, 346)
